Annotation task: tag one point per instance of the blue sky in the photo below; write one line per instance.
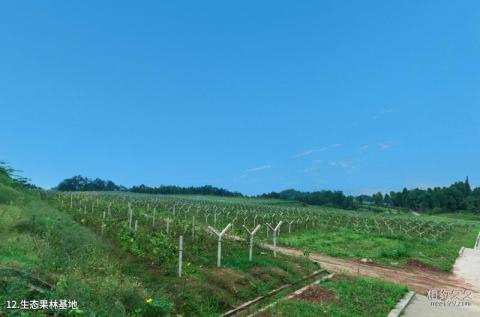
(253, 96)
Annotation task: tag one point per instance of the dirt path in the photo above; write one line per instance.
(419, 280)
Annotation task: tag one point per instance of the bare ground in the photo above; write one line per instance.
(316, 294)
(420, 279)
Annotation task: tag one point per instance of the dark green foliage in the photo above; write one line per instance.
(458, 196)
(325, 197)
(12, 187)
(80, 183)
(177, 190)
(8, 194)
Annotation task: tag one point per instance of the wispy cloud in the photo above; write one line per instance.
(255, 169)
(384, 146)
(309, 152)
(258, 168)
(381, 113)
(312, 151)
(312, 167)
(345, 164)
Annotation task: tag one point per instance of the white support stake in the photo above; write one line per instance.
(250, 237)
(193, 227)
(290, 226)
(275, 236)
(168, 225)
(130, 214)
(103, 222)
(219, 235)
(180, 255)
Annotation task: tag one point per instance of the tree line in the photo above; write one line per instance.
(325, 197)
(177, 190)
(80, 183)
(456, 197)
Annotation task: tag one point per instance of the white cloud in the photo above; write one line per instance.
(381, 113)
(384, 146)
(255, 169)
(309, 152)
(258, 168)
(345, 164)
(312, 167)
(312, 151)
(309, 169)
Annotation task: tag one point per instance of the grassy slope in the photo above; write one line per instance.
(42, 242)
(354, 296)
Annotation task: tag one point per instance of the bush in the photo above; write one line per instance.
(8, 194)
(398, 252)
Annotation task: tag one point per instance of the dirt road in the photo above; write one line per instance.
(419, 280)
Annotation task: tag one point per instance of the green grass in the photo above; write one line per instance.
(352, 296)
(466, 216)
(39, 242)
(114, 274)
(344, 243)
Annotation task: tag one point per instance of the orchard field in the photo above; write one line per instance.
(120, 253)
(390, 238)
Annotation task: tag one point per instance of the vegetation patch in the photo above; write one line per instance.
(395, 250)
(342, 296)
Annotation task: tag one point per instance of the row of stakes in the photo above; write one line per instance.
(219, 235)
